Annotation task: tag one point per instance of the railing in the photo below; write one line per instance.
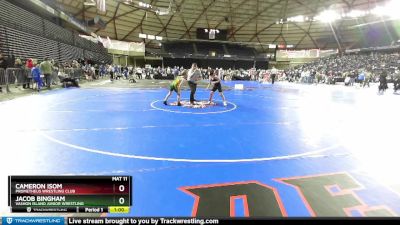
(19, 77)
(3, 80)
(14, 76)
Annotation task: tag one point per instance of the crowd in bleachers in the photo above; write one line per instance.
(169, 73)
(350, 69)
(115, 72)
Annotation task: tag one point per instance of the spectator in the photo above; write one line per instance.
(47, 70)
(36, 75)
(361, 78)
(125, 72)
(102, 70)
(3, 65)
(176, 71)
(28, 66)
(367, 79)
(383, 82)
(56, 69)
(67, 81)
(11, 60)
(18, 63)
(139, 73)
(3, 62)
(111, 71)
(19, 73)
(396, 81)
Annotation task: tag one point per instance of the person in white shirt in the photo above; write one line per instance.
(221, 73)
(194, 75)
(274, 72)
(139, 73)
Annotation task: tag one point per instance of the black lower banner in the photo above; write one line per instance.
(139, 221)
(209, 221)
(59, 209)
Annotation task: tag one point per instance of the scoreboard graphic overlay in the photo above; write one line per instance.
(86, 194)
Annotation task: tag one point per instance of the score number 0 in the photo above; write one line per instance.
(121, 200)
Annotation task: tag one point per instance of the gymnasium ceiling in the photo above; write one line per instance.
(248, 21)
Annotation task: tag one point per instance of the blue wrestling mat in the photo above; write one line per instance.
(283, 150)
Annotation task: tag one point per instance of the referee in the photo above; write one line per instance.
(274, 71)
(194, 75)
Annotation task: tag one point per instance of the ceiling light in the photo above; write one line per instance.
(144, 5)
(298, 19)
(328, 16)
(90, 3)
(378, 11)
(162, 11)
(355, 14)
(390, 10)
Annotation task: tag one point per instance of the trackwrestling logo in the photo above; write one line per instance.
(33, 220)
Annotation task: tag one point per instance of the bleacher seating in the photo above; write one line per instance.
(70, 52)
(26, 45)
(3, 47)
(95, 55)
(205, 48)
(26, 35)
(240, 51)
(21, 17)
(182, 54)
(58, 32)
(179, 48)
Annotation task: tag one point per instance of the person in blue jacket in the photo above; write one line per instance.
(361, 78)
(36, 76)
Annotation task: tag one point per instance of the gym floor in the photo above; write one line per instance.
(283, 150)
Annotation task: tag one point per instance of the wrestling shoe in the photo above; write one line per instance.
(225, 104)
(165, 103)
(179, 104)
